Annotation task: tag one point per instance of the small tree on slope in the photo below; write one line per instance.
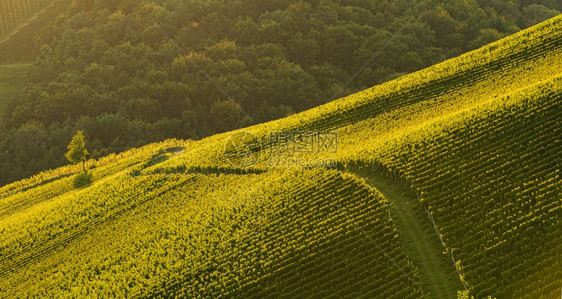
(77, 151)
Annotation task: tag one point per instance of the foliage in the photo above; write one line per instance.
(493, 194)
(83, 179)
(108, 66)
(12, 82)
(464, 295)
(476, 138)
(77, 151)
(204, 236)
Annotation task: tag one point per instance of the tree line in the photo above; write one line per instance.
(108, 68)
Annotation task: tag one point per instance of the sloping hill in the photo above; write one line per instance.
(20, 45)
(14, 13)
(437, 271)
(287, 232)
(475, 139)
(491, 182)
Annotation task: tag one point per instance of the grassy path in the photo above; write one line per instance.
(437, 271)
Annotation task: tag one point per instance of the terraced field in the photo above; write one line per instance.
(474, 142)
(23, 20)
(185, 236)
(437, 272)
(492, 200)
(15, 13)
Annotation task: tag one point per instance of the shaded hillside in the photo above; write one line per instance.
(12, 82)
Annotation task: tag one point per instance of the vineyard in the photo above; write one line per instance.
(14, 13)
(20, 21)
(496, 193)
(475, 140)
(202, 236)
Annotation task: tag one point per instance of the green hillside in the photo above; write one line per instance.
(129, 73)
(461, 164)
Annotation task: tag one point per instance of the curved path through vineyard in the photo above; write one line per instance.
(437, 271)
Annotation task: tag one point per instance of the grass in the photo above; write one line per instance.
(13, 78)
(437, 271)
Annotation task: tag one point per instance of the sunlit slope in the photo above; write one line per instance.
(490, 177)
(404, 104)
(480, 142)
(478, 138)
(292, 233)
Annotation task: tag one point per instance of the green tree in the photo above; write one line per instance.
(77, 151)
(46, 52)
(225, 115)
(486, 36)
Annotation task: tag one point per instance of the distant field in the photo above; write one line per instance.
(21, 44)
(13, 13)
(13, 78)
